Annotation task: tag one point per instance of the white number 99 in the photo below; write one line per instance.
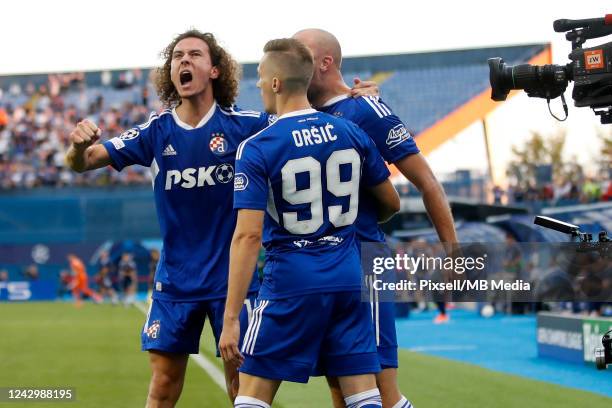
(313, 195)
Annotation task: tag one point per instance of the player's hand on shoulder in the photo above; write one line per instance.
(85, 134)
(364, 88)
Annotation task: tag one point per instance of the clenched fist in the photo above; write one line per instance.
(85, 134)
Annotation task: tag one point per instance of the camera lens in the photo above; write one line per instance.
(542, 81)
(500, 76)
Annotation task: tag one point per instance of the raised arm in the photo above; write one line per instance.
(84, 153)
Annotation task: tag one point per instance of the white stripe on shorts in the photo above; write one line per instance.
(260, 318)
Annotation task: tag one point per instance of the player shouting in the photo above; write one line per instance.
(190, 149)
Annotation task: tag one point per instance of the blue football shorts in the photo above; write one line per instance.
(288, 338)
(176, 327)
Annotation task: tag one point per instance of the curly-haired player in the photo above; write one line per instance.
(184, 146)
(190, 148)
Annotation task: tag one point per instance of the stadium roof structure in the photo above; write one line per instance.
(437, 94)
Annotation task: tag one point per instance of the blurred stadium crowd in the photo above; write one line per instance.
(35, 122)
(566, 192)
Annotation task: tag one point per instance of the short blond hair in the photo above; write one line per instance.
(294, 62)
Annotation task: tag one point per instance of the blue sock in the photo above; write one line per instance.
(366, 399)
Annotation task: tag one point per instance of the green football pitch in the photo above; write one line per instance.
(96, 351)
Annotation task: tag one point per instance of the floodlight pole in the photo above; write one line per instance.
(485, 130)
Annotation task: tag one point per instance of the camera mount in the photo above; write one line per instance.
(578, 31)
(603, 355)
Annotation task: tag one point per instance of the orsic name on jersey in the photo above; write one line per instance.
(200, 177)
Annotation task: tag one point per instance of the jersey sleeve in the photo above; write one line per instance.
(263, 122)
(253, 121)
(250, 180)
(388, 132)
(134, 146)
(374, 170)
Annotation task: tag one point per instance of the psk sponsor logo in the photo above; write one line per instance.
(397, 135)
(218, 144)
(129, 134)
(153, 330)
(302, 243)
(241, 181)
(338, 114)
(200, 177)
(331, 240)
(169, 151)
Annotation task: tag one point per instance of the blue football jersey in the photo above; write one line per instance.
(305, 171)
(193, 170)
(391, 137)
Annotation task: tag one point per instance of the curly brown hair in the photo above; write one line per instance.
(225, 86)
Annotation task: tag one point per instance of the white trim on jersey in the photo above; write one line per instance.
(286, 115)
(335, 99)
(271, 206)
(241, 146)
(243, 143)
(154, 172)
(374, 108)
(153, 116)
(232, 112)
(378, 107)
(202, 122)
(382, 106)
(300, 112)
